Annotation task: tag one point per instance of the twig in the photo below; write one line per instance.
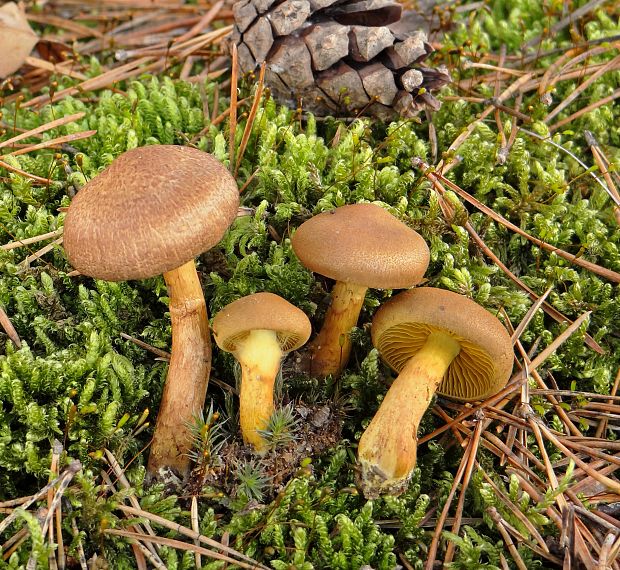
(250, 122)
(582, 87)
(232, 121)
(51, 143)
(499, 523)
(183, 546)
(472, 448)
(42, 128)
(189, 533)
(593, 267)
(9, 329)
(585, 110)
(34, 239)
(470, 459)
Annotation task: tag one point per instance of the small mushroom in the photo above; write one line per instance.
(438, 341)
(259, 330)
(359, 246)
(151, 212)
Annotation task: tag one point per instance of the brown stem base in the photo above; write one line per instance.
(188, 373)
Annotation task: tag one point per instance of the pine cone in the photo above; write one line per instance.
(338, 57)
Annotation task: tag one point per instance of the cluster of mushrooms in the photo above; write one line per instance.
(125, 224)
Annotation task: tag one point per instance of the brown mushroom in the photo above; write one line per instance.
(151, 212)
(438, 341)
(259, 330)
(359, 246)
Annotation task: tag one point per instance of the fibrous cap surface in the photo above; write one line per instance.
(362, 244)
(153, 209)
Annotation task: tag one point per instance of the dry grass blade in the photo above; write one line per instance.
(602, 426)
(232, 120)
(591, 107)
(609, 66)
(183, 546)
(575, 259)
(549, 309)
(157, 351)
(574, 15)
(611, 484)
(59, 69)
(31, 240)
(604, 167)
(196, 529)
(501, 526)
(559, 410)
(69, 472)
(250, 122)
(8, 328)
(188, 532)
(57, 142)
(40, 253)
(120, 477)
(44, 181)
(470, 459)
(202, 23)
(42, 128)
(529, 315)
(472, 450)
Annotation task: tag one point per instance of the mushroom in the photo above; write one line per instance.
(259, 330)
(438, 341)
(359, 246)
(150, 212)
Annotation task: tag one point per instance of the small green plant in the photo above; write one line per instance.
(251, 480)
(207, 439)
(281, 427)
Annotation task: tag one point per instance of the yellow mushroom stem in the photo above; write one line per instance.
(387, 450)
(331, 348)
(260, 356)
(188, 373)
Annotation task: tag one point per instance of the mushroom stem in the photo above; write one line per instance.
(260, 357)
(388, 448)
(331, 348)
(188, 373)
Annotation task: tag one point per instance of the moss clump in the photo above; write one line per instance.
(78, 379)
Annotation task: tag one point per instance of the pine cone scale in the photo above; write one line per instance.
(338, 56)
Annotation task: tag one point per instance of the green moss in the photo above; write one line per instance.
(77, 380)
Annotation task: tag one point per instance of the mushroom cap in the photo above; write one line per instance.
(483, 366)
(264, 311)
(152, 210)
(362, 244)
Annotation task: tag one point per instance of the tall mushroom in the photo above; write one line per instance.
(438, 341)
(359, 246)
(259, 330)
(150, 212)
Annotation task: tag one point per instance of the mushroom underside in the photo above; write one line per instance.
(471, 376)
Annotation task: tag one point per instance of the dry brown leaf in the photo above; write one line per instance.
(16, 38)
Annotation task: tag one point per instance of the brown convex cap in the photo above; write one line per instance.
(484, 364)
(261, 311)
(362, 244)
(152, 210)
